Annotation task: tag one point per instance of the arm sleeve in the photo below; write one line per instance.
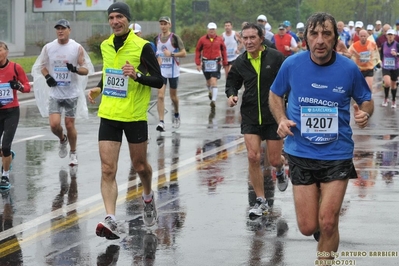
(149, 65)
(234, 82)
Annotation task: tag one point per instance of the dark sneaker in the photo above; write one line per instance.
(5, 183)
(150, 243)
(210, 95)
(107, 229)
(63, 152)
(150, 214)
(282, 181)
(260, 208)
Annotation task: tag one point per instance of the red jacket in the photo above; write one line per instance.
(211, 49)
(282, 41)
(8, 73)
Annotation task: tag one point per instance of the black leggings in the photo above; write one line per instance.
(9, 119)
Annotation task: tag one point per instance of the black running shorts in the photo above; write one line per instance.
(135, 132)
(266, 132)
(305, 171)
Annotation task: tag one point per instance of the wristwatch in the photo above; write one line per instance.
(138, 75)
(172, 54)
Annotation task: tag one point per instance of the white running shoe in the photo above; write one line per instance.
(73, 158)
(108, 229)
(63, 152)
(176, 122)
(260, 208)
(161, 127)
(385, 103)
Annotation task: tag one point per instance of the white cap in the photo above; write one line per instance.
(378, 22)
(370, 27)
(359, 24)
(135, 27)
(351, 23)
(212, 25)
(391, 31)
(268, 27)
(262, 17)
(300, 25)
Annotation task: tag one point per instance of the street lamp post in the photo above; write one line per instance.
(173, 18)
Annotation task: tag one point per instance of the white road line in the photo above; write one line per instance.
(25, 139)
(85, 204)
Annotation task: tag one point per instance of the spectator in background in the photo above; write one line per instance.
(300, 29)
(351, 26)
(344, 35)
(358, 27)
(377, 29)
(268, 32)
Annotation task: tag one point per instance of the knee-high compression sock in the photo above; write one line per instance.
(214, 93)
(386, 92)
(393, 92)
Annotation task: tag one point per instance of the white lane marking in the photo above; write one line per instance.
(85, 204)
(30, 138)
(189, 70)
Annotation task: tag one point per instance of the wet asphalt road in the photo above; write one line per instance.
(200, 180)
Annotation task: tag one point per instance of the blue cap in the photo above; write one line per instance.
(287, 23)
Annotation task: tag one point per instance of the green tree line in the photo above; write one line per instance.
(295, 11)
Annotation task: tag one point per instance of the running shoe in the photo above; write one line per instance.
(210, 95)
(161, 127)
(393, 105)
(176, 122)
(213, 104)
(385, 103)
(5, 183)
(63, 147)
(282, 181)
(73, 158)
(260, 208)
(108, 229)
(150, 214)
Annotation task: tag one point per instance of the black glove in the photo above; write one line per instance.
(15, 85)
(50, 81)
(72, 68)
